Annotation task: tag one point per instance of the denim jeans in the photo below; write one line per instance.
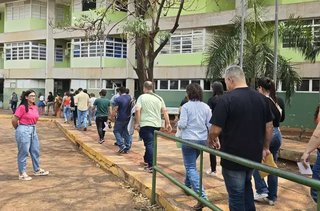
(28, 142)
(91, 115)
(272, 188)
(239, 187)
(13, 106)
(121, 133)
(146, 133)
(190, 156)
(66, 112)
(315, 175)
(82, 116)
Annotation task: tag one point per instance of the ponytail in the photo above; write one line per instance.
(273, 93)
(269, 85)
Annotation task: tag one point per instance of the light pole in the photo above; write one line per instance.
(242, 31)
(275, 63)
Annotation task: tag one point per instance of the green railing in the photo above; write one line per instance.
(271, 170)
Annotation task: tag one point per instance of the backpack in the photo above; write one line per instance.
(14, 98)
(60, 100)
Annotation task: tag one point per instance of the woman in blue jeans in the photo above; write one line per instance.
(194, 123)
(269, 192)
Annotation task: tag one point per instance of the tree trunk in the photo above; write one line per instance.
(253, 83)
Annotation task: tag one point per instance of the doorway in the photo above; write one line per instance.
(61, 86)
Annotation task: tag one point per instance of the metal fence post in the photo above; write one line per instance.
(154, 173)
(318, 202)
(201, 173)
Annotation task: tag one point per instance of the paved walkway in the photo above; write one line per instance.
(291, 196)
(74, 183)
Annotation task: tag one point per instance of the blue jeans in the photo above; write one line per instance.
(147, 133)
(315, 175)
(66, 112)
(120, 131)
(239, 187)
(82, 116)
(272, 188)
(91, 115)
(28, 142)
(190, 156)
(14, 106)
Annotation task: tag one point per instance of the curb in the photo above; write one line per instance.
(295, 156)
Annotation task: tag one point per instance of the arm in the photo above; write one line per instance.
(311, 146)
(213, 139)
(93, 108)
(283, 107)
(209, 116)
(268, 136)
(110, 110)
(137, 117)
(14, 122)
(62, 102)
(183, 118)
(115, 111)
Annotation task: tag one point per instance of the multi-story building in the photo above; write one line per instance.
(38, 56)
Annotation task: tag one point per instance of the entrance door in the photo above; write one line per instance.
(61, 86)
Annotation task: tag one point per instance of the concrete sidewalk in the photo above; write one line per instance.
(291, 196)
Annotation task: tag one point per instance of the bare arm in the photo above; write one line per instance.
(93, 108)
(110, 111)
(137, 117)
(115, 111)
(14, 122)
(268, 136)
(311, 146)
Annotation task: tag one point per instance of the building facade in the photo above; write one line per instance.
(37, 55)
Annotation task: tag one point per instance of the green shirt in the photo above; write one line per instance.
(102, 105)
(150, 113)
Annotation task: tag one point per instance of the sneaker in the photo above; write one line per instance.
(258, 196)
(115, 143)
(212, 173)
(101, 141)
(85, 129)
(25, 177)
(149, 169)
(270, 202)
(121, 150)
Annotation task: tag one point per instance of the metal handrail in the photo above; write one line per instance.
(242, 161)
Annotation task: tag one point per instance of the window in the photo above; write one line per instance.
(113, 47)
(17, 10)
(174, 84)
(185, 41)
(59, 14)
(207, 85)
(179, 84)
(88, 5)
(23, 51)
(314, 24)
(163, 84)
(315, 85)
(59, 53)
(95, 84)
(184, 84)
(304, 85)
(39, 10)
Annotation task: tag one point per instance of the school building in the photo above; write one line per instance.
(36, 55)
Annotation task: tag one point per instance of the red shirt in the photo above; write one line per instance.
(30, 118)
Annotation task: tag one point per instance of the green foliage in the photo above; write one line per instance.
(136, 27)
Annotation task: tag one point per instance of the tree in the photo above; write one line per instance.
(258, 58)
(141, 27)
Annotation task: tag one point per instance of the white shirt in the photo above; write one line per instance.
(41, 98)
(92, 99)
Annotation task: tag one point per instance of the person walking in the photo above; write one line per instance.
(41, 104)
(50, 103)
(194, 123)
(92, 114)
(269, 193)
(57, 105)
(104, 110)
(14, 102)
(82, 101)
(244, 117)
(74, 108)
(25, 122)
(217, 92)
(148, 119)
(121, 112)
(66, 102)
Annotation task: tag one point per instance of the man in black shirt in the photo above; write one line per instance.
(245, 119)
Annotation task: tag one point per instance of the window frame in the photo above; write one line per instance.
(12, 51)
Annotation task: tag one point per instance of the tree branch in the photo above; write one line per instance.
(176, 25)
(159, 13)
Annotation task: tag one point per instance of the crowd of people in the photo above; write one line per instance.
(243, 122)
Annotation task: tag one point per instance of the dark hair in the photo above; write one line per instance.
(50, 93)
(76, 92)
(127, 91)
(71, 90)
(122, 90)
(58, 94)
(80, 89)
(316, 114)
(117, 89)
(267, 84)
(24, 101)
(40, 94)
(217, 89)
(85, 91)
(194, 92)
(103, 92)
(92, 95)
(67, 94)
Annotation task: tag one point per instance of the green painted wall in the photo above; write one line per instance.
(272, 2)
(1, 63)
(95, 62)
(2, 23)
(66, 59)
(111, 16)
(179, 59)
(37, 24)
(8, 91)
(96, 92)
(24, 25)
(23, 64)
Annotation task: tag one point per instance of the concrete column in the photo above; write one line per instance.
(131, 56)
(51, 8)
(239, 7)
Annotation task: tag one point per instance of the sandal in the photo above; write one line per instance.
(41, 172)
(25, 177)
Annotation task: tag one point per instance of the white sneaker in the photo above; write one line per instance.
(270, 202)
(258, 196)
(212, 173)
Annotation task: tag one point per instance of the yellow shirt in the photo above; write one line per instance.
(82, 101)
